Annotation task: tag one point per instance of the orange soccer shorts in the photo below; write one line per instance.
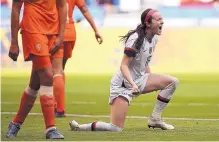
(39, 45)
(69, 40)
(68, 48)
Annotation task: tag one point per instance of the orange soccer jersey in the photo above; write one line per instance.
(70, 32)
(40, 16)
(39, 27)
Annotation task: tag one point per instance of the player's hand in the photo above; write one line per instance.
(98, 38)
(14, 52)
(135, 90)
(56, 45)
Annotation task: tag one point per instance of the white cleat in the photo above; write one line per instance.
(74, 125)
(159, 123)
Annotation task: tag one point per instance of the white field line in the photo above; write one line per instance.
(84, 103)
(14, 103)
(133, 104)
(130, 117)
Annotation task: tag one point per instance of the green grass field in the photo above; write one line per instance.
(197, 97)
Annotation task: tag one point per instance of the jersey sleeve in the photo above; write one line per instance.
(130, 50)
(80, 3)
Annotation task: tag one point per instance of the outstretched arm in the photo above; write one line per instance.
(89, 18)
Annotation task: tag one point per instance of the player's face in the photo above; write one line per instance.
(157, 23)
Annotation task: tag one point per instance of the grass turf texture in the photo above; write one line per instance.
(200, 90)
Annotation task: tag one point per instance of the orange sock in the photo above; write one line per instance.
(47, 105)
(26, 105)
(59, 92)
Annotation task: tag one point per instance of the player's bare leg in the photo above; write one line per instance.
(59, 86)
(64, 63)
(167, 85)
(119, 109)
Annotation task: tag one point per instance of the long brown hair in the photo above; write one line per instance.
(140, 30)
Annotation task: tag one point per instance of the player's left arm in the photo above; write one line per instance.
(84, 10)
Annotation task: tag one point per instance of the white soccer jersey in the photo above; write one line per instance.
(141, 59)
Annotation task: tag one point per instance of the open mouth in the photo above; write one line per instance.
(160, 27)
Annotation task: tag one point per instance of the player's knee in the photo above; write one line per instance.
(46, 77)
(64, 63)
(34, 85)
(31, 92)
(57, 66)
(42, 65)
(58, 70)
(176, 82)
(173, 83)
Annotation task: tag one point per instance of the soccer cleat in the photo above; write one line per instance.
(54, 134)
(74, 125)
(159, 123)
(13, 129)
(59, 114)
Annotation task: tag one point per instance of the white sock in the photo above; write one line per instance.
(85, 127)
(99, 126)
(163, 99)
(157, 111)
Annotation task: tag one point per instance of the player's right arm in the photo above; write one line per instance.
(129, 54)
(126, 73)
(124, 68)
(15, 26)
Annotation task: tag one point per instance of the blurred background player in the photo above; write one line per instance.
(42, 32)
(135, 78)
(69, 43)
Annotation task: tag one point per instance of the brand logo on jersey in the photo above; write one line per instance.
(38, 46)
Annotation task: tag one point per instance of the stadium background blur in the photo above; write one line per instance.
(188, 43)
(187, 49)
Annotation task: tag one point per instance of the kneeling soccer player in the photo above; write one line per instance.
(135, 78)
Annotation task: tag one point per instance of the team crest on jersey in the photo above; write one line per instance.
(38, 46)
(150, 50)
